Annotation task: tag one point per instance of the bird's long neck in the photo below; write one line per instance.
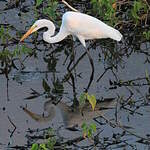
(57, 38)
(40, 118)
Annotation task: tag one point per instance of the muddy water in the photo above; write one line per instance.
(36, 69)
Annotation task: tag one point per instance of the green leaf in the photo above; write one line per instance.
(51, 143)
(25, 50)
(43, 146)
(50, 10)
(84, 127)
(146, 35)
(38, 2)
(34, 146)
(92, 100)
(82, 99)
(89, 133)
(93, 127)
(88, 129)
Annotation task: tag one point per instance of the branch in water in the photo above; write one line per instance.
(69, 6)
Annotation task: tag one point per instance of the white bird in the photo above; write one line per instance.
(83, 26)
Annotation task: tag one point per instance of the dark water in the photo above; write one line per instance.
(130, 62)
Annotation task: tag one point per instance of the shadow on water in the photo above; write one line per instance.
(39, 72)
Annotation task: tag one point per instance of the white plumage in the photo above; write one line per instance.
(83, 26)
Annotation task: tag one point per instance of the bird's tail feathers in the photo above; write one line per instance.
(114, 34)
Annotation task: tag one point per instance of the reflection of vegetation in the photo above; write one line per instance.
(123, 14)
(141, 81)
(54, 91)
(57, 88)
(8, 57)
(51, 63)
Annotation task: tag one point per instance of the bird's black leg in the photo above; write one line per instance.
(92, 65)
(72, 57)
(75, 101)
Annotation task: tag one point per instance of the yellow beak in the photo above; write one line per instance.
(30, 31)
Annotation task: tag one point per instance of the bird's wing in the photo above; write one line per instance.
(78, 116)
(80, 24)
(88, 27)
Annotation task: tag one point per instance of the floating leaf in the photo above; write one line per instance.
(92, 100)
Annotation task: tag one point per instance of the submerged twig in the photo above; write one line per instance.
(92, 74)
(75, 101)
(73, 67)
(103, 73)
(7, 89)
(120, 126)
(12, 125)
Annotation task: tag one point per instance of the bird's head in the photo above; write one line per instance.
(38, 25)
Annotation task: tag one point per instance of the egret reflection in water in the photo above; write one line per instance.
(70, 116)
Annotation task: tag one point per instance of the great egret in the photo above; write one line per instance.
(72, 117)
(83, 26)
(80, 25)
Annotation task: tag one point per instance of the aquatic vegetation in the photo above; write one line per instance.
(146, 35)
(84, 97)
(139, 10)
(47, 8)
(105, 9)
(4, 34)
(88, 130)
(8, 58)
